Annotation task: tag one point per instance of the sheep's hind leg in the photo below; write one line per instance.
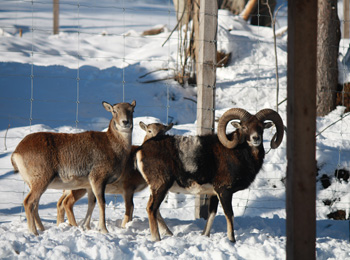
(162, 225)
(60, 209)
(29, 209)
(155, 199)
(91, 206)
(31, 206)
(38, 222)
(69, 202)
(213, 207)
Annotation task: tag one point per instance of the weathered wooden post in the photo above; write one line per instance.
(346, 23)
(56, 11)
(301, 123)
(206, 79)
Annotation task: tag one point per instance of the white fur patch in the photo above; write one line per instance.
(195, 189)
(140, 165)
(188, 147)
(17, 158)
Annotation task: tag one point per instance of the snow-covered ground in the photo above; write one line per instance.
(57, 83)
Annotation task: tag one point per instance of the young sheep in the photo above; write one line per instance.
(130, 182)
(216, 165)
(74, 161)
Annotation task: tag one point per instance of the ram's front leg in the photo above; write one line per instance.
(225, 198)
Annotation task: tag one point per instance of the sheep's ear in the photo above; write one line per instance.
(143, 126)
(169, 127)
(133, 103)
(107, 106)
(236, 125)
(268, 125)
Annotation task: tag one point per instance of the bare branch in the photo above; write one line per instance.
(156, 80)
(341, 118)
(273, 23)
(176, 26)
(165, 69)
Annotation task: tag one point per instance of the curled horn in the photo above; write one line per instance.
(269, 114)
(232, 114)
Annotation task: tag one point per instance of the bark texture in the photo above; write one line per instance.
(328, 37)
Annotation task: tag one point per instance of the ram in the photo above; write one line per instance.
(130, 182)
(216, 165)
(74, 161)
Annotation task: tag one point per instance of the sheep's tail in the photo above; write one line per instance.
(15, 168)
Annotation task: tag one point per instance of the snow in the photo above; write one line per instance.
(57, 83)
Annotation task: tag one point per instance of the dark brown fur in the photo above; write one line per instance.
(203, 165)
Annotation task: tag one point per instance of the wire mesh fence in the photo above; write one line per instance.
(103, 52)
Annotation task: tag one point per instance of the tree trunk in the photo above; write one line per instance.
(328, 37)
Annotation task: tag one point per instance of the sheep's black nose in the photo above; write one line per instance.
(125, 122)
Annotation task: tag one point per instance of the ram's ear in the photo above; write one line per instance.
(143, 126)
(107, 106)
(236, 125)
(268, 125)
(133, 103)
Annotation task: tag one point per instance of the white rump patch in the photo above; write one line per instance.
(188, 147)
(140, 165)
(18, 159)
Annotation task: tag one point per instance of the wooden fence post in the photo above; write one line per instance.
(206, 79)
(301, 123)
(346, 23)
(56, 11)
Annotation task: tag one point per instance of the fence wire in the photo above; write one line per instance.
(84, 70)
